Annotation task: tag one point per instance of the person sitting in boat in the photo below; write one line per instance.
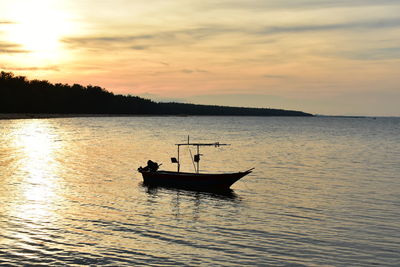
(151, 166)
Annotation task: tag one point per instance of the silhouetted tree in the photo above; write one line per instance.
(19, 95)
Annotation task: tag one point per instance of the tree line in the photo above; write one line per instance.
(20, 95)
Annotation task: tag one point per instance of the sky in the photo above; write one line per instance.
(331, 57)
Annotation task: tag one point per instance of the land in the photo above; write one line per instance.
(23, 98)
(15, 116)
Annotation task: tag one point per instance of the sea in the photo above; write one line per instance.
(325, 191)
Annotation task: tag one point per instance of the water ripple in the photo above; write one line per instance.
(324, 193)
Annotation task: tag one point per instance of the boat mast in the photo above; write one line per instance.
(196, 157)
(179, 163)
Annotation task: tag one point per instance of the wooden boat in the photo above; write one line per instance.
(190, 180)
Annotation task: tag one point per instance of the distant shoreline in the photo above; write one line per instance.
(21, 116)
(18, 116)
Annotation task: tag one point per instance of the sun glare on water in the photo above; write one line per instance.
(34, 199)
(37, 160)
(36, 144)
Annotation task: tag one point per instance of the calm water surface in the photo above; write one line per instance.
(325, 191)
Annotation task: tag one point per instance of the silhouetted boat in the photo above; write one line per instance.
(190, 180)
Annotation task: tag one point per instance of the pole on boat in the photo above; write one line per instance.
(198, 158)
(195, 158)
(179, 164)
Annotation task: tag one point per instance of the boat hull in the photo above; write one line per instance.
(202, 181)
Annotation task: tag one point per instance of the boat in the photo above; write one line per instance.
(152, 176)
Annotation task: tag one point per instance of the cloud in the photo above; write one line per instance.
(49, 68)
(153, 39)
(269, 76)
(104, 42)
(11, 48)
(372, 24)
(195, 35)
(100, 40)
(140, 47)
(190, 71)
(256, 5)
(381, 53)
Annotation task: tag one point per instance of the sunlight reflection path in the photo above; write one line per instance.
(36, 199)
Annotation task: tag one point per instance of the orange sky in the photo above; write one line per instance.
(319, 56)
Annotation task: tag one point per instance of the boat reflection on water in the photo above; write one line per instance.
(226, 194)
(188, 204)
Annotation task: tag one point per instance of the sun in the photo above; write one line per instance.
(38, 26)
